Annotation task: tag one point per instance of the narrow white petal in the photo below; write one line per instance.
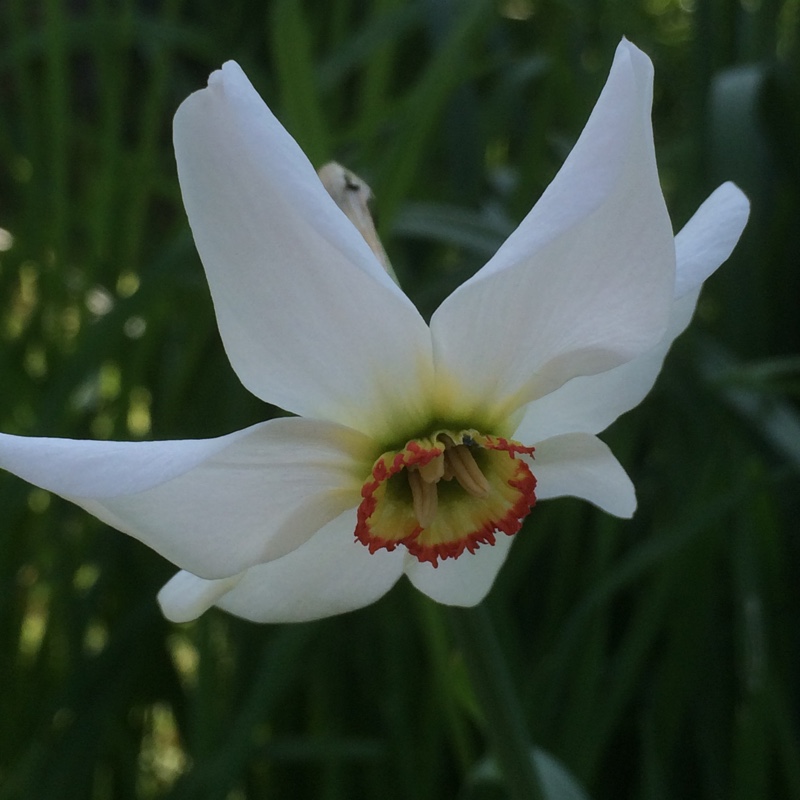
(462, 581)
(185, 596)
(585, 283)
(709, 237)
(580, 465)
(309, 319)
(591, 403)
(330, 574)
(212, 507)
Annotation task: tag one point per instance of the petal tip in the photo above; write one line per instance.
(185, 596)
(636, 57)
(738, 200)
(709, 237)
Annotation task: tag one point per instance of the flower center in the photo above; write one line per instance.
(447, 493)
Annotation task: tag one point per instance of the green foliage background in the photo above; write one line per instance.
(656, 658)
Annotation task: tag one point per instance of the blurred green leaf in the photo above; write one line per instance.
(290, 37)
(484, 782)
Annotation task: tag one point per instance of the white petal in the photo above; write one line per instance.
(580, 465)
(591, 403)
(185, 596)
(709, 237)
(330, 574)
(212, 507)
(97, 469)
(462, 581)
(585, 283)
(309, 319)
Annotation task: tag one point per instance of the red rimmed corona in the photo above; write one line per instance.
(446, 494)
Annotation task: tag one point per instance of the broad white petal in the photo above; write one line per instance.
(585, 283)
(580, 465)
(213, 507)
(591, 403)
(97, 469)
(309, 319)
(330, 574)
(462, 581)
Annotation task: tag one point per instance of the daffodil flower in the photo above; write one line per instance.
(416, 449)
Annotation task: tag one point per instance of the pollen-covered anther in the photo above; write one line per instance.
(434, 470)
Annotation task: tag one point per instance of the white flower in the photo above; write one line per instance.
(413, 443)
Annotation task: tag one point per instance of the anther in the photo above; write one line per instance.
(424, 498)
(466, 470)
(433, 470)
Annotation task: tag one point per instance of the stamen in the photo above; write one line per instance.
(466, 470)
(424, 498)
(433, 470)
(448, 473)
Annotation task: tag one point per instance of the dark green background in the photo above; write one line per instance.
(656, 658)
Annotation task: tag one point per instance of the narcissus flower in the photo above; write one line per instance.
(416, 448)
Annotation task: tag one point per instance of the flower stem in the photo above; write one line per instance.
(494, 691)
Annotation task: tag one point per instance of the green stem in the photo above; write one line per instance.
(494, 691)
